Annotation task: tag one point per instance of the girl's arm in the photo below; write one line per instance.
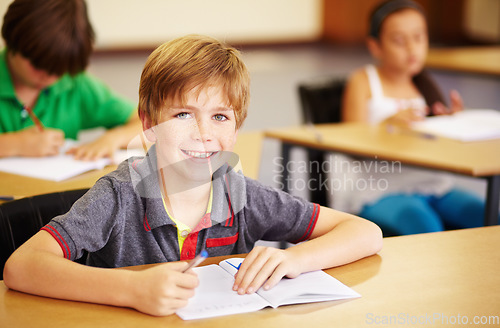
(356, 95)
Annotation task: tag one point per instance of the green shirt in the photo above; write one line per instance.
(71, 104)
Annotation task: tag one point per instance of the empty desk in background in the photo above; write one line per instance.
(475, 159)
(480, 60)
(439, 277)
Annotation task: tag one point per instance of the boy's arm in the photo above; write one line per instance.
(112, 140)
(338, 238)
(38, 267)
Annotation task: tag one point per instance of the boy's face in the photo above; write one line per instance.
(193, 140)
(23, 73)
(403, 41)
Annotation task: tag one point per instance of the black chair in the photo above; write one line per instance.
(21, 219)
(321, 102)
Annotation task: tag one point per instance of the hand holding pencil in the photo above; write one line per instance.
(38, 141)
(32, 142)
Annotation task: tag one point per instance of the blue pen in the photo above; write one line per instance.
(197, 260)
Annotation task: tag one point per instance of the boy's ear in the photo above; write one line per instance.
(147, 125)
(373, 46)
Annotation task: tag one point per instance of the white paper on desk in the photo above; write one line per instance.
(468, 125)
(54, 168)
(215, 297)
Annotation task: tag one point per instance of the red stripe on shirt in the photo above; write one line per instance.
(312, 224)
(215, 242)
(60, 240)
(134, 163)
(146, 224)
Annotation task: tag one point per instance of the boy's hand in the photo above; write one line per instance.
(163, 289)
(264, 266)
(105, 146)
(35, 143)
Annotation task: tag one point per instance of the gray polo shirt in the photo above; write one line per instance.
(121, 220)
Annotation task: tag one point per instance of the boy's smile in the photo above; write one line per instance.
(191, 138)
(198, 154)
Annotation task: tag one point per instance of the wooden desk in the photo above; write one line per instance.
(482, 60)
(21, 186)
(476, 159)
(437, 276)
(248, 147)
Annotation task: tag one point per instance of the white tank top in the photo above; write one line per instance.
(357, 182)
(381, 107)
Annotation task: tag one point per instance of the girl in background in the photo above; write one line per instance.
(397, 91)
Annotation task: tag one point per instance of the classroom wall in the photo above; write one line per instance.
(482, 20)
(451, 22)
(143, 24)
(133, 24)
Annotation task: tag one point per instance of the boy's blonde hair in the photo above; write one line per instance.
(193, 61)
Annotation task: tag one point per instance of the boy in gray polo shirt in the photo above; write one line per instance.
(181, 198)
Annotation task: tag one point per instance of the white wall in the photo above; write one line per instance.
(147, 23)
(482, 20)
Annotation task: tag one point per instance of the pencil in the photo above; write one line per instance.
(197, 260)
(33, 117)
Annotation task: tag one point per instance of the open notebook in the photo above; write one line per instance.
(215, 297)
(55, 168)
(468, 125)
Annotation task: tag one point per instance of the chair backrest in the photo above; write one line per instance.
(21, 219)
(321, 101)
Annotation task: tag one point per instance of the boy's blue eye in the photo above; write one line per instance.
(220, 117)
(183, 115)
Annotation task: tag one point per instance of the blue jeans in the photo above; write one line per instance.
(405, 214)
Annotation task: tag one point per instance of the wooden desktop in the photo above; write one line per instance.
(437, 278)
(476, 159)
(479, 60)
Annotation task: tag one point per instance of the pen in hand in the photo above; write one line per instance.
(34, 118)
(197, 260)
